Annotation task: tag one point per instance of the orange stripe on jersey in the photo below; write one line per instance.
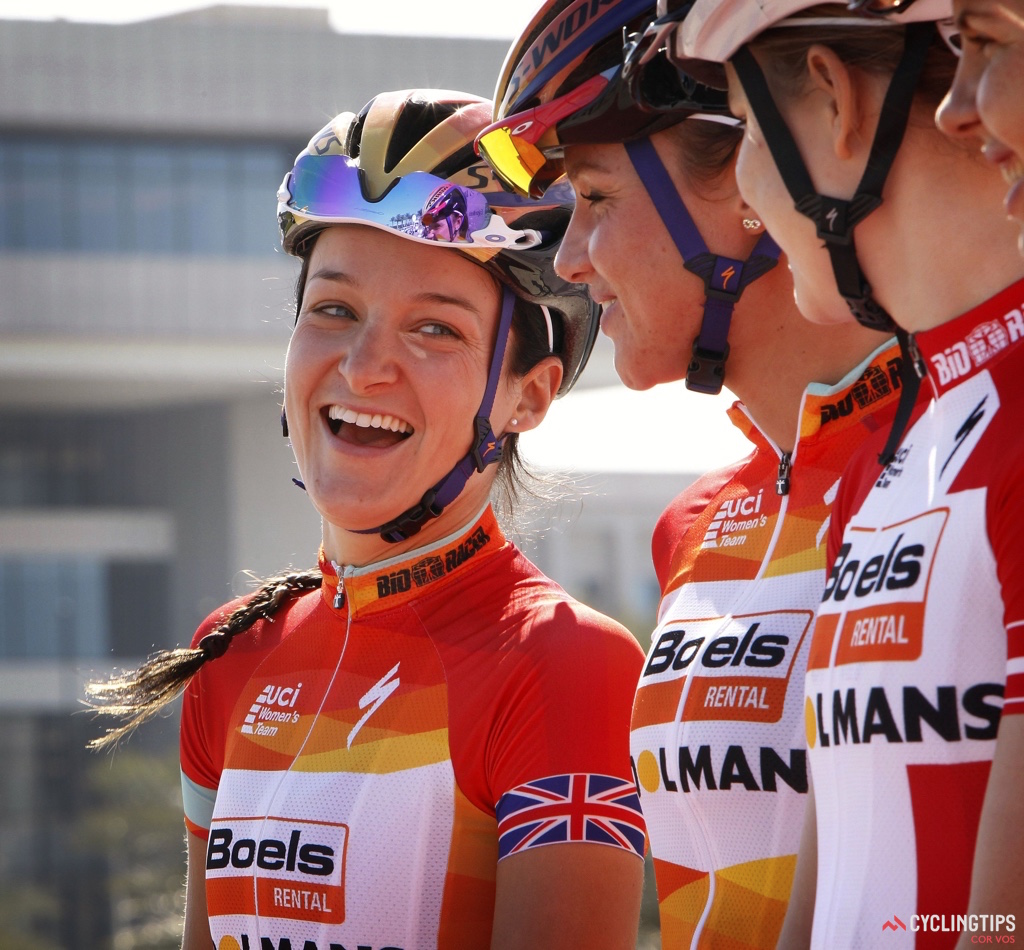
(747, 906)
(467, 914)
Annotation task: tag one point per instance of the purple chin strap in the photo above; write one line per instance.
(485, 450)
(724, 278)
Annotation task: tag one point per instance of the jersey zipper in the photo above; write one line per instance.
(339, 596)
(782, 479)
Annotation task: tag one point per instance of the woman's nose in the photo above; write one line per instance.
(369, 357)
(572, 262)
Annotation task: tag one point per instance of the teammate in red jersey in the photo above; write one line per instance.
(985, 102)
(915, 681)
(684, 271)
(424, 743)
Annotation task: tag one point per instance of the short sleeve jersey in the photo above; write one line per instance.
(918, 649)
(375, 750)
(717, 732)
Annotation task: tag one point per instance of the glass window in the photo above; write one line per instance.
(153, 197)
(53, 609)
(96, 218)
(262, 172)
(43, 203)
(155, 200)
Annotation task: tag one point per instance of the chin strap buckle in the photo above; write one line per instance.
(706, 371)
(409, 522)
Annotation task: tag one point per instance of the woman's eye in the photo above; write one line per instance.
(338, 310)
(438, 329)
(592, 196)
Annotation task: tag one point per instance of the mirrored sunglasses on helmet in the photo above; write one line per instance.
(516, 147)
(419, 206)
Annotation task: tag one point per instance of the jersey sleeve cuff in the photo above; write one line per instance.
(198, 801)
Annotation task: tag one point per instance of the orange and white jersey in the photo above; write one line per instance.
(717, 733)
(918, 649)
(373, 752)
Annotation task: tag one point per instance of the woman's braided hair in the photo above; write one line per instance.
(137, 695)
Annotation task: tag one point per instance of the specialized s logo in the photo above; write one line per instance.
(873, 606)
(298, 867)
(374, 697)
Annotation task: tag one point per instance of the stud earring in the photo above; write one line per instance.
(515, 422)
(751, 224)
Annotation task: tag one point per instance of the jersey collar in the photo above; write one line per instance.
(974, 341)
(826, 411)
(394, 582)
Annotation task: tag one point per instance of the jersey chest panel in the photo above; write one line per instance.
(905, 680)
(717, 731)
(338, 788)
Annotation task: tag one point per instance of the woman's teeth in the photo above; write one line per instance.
(367, 421)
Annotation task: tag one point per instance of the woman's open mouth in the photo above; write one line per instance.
(364, 428)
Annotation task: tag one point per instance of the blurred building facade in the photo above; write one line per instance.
(144, 315)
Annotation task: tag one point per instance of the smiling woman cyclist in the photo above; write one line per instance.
(914, 693)
(683, 268)
(985, 102)
(424, 743)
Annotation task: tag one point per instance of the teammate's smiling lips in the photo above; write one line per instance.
(385, 423)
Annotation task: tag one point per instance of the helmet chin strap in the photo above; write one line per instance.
(835, 218)
(724, 278)
(485, 449)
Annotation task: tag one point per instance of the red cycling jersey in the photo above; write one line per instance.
(918, 648)
(717, 732)
(375, 750)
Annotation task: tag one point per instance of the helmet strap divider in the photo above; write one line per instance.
(706, 370)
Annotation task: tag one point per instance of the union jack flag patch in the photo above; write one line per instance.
(563, 808)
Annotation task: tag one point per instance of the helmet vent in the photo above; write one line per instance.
(355, 132)
(463, 158)
(417, 119)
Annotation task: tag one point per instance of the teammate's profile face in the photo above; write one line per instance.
(619, 246)
(386, 369)
(985, 101)
(762, 187)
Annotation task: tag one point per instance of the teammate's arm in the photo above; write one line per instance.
(796, 928)
(568, 896)
(997, 881)
(197, 921)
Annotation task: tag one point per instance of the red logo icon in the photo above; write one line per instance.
(898, 925)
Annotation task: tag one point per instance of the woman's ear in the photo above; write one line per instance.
(537, 389)
(846, 94)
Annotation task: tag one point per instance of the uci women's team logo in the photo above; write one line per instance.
(734, 518)
(274, 705)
